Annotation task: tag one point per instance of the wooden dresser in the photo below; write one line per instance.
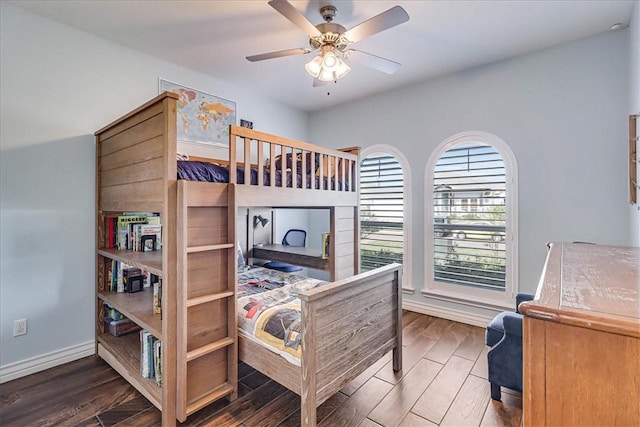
(581, 338)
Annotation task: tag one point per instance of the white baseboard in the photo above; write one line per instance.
(447, 313)
(32, 365)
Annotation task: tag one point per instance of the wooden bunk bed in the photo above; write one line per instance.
(347, 324)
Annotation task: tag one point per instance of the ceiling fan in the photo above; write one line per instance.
(332, 41)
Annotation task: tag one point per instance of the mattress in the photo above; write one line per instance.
(269, 310)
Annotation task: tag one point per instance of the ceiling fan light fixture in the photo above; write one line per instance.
(327, 67)
(314, 67)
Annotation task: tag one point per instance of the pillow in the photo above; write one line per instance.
(289, 162)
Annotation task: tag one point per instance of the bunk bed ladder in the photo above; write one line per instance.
(207, 356)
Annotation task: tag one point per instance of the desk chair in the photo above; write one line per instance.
(292, 237)
(504, 336)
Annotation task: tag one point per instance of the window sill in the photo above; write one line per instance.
(474, 302)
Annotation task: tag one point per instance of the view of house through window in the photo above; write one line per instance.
(381, 211)
(469, 216)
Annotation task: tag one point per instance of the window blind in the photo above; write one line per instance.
(469, 201)
(381, 211)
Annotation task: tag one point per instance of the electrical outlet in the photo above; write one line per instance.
(19, 327)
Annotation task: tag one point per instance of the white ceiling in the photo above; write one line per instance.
(213, 37)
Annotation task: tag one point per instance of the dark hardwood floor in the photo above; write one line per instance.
(443, 382)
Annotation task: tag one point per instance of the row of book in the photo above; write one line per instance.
(150, 357)
(135, 231)
(125, 278)
(121, 273)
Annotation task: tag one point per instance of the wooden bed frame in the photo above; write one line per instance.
(347, 324)
(346, 327)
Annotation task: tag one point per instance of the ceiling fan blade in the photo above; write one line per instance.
(390, 18)
(376, 62)
(278, 54)
(287, 10)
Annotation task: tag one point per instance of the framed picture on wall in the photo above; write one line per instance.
(202, 117)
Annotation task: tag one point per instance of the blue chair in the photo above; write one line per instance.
(504, 336)
(293, 237)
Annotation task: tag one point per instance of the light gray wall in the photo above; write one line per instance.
(58, 87)
(563, 113)
(634, 106)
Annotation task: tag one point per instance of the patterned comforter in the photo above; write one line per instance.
(269, 309)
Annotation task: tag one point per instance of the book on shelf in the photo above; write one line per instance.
(157, 296)
(150, 357)
(157, 361)
(326, 244)
(124, 223)
(111, 225)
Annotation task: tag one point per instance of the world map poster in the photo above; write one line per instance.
(202, 117)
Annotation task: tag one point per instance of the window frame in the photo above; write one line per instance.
(469, 295)
(390, 150)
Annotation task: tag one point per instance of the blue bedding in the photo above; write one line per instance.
(208, 172)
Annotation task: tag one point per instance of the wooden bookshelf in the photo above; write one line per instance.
(136, 172)
(137, 306)
(123, 354)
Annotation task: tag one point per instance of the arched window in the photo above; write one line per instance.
(383, 215)
(471, 221)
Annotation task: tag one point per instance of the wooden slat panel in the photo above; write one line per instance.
(344, 261)
(252, 195)
(269, 363)
(139, 193)
(206, 194)
(207, 323)
(343, 311)
(344, 224)
(207, 226)
(143, 131)
(351, 288)
(130, 156)
(131, 206)
(145, 171)
(150, 109)
(348, 353)
(207, 273)
(206, 373)
(351, 371)
(337, 343)
(343, 273)
(344, 237)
